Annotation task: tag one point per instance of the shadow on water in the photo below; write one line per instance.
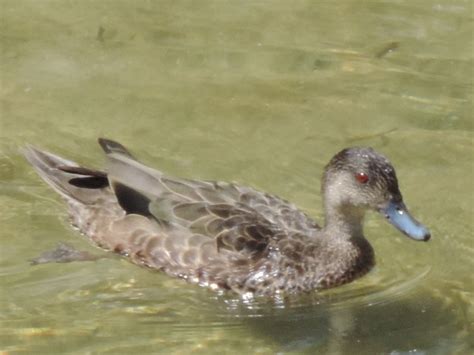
(398, 319)
(395, 326)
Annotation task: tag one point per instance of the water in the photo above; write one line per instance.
(263, 93)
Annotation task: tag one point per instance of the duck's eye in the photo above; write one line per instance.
(362, 177)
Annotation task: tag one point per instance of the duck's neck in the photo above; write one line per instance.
(344, 221)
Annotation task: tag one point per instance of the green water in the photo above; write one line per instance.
(259, 92)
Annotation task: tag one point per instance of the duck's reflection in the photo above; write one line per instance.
(417, 323)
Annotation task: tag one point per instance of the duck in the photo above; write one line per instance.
(226, 236)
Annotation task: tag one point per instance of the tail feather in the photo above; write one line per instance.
(66, 177)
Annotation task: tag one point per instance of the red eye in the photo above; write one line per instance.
(362, 177)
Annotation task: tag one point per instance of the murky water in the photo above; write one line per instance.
(263, 93)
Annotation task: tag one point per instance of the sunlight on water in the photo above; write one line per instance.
(262, 93)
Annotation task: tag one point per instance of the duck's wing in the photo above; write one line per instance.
(188, 207)
(142, 190)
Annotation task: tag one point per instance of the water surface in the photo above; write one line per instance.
(262, 93)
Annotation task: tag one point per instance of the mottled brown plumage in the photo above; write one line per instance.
(221, 235)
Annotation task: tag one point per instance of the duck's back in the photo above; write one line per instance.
(217, 234)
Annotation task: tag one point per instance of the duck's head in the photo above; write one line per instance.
(357, 179)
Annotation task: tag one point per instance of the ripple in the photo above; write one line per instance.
(378, 290)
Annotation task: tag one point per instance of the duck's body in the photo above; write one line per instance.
(221, 235)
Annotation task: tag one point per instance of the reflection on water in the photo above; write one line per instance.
(332, 320)
(257, 93)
